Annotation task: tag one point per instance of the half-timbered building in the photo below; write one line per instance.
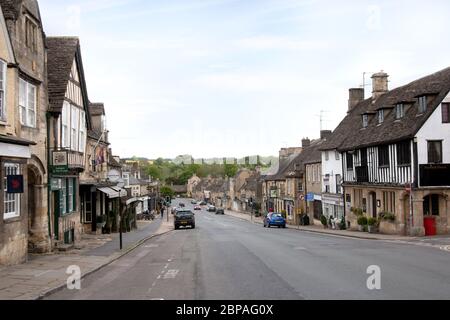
(68, 129)
(396, 155)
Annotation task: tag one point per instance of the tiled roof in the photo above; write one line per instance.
(283, 166)
(350, 134)
(10, 8)
(61, 54)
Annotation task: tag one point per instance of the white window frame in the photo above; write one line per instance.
(422, 104)
(65, 125)
(11, 201)
(365, 120)
(82, 132)
(2, 90)
(74, 127)
(380, 116)
(399, 111)
(63, 199)
(25, 104)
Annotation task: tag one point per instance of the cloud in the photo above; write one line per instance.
(279, 43)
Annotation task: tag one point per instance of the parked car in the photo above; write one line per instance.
(274, 219)
(197, 207)
(202, 203)
(182, 205)
(211, 208)
(220, 211)
(184, 218)
(193, 201)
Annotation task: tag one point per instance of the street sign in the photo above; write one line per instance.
(14, 184)
(113, 175)
(60, 162)
(310, 197)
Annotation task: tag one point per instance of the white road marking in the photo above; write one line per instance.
(300, 248)
(42, 273)
(152, 246)
(171, 274)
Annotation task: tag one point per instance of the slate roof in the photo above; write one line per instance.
(11, 8)
(311, 154)
(61, 53)
(113, 163)
(283, 166)
(350, 134)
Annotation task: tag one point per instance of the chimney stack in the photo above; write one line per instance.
(324, 134)
(379, 84)
(356, 95)
(306, 143)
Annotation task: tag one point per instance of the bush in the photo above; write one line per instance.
(342, 224)
(372, 221)
(387, 216)
(324, 220)
(362, 221)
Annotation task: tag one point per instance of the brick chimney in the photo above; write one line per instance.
(306, 143)
(356, 95)
(379, 84)
(324, 134)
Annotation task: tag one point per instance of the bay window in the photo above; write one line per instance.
(65, 125)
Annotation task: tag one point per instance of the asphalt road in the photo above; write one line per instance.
(227, 258)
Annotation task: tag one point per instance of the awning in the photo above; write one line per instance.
(109, 192)
(123, 192)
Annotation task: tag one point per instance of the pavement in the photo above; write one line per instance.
(45, 274)
(226, 258)
(318, 228)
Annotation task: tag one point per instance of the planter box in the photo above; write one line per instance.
(373, 229)
(388, 227)
(362, 228)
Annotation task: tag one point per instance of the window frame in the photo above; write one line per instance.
(399, 111)
(380, 116)
(10, 198)
(3, 86)
(430, 157)
(422, 104)
(82, 131)
(383, 156)
(445, 112)
(403, 153)
(25, 99)
(365, 120)
(349, 164)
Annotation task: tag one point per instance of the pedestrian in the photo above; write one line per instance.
(162, 212)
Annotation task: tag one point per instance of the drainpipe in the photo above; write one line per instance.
(48, 116)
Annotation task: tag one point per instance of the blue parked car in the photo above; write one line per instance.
(274, 219)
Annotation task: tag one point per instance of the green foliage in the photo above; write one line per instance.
(372, 221)
(231, 170)
(342, 224)
(167, 192)
(387, 216)
(324, 220)
(362, 221)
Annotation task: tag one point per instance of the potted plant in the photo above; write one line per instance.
(387, 223)
(372, 225)
(324, 221)
(342, 224)
(362, 223)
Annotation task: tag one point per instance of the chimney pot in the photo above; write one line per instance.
(306, 143)
(356, 95)
(379, 84)
(324, 134)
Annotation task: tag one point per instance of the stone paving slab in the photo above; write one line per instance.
(43, 274)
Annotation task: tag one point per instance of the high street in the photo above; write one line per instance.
(228, 258)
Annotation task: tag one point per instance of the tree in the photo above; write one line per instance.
(154, 172)
(167, 192)
(231, 170)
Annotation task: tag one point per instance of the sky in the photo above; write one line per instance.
(231, 78)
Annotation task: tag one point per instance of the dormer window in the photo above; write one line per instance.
(399, 111)
(365, 120)
(31, 34)
(422, 104)
(380, 115)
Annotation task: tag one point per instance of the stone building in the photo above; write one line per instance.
(395, 149)
(26, 225)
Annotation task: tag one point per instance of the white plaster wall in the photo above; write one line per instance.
(331, 167)
(434, 129)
